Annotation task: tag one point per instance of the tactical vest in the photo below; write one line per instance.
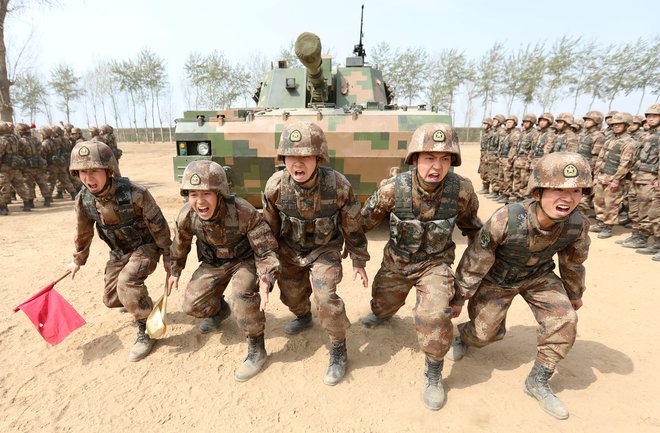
(586, 144)
(308, 234)
(525, 144)
(417, 240)
(494, 141)
(537, 148)
(512, 257)
(485, 139)
(648, 153)
(506, 145)
(130, 232)
(236, 245)
(560, 142)
(613, 156)
(12, 158)
(33, 145)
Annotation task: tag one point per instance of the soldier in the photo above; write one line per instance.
(313, 212)
(67, 130)
(56, 158)
(544, 140)
(608, 121)
(507, 153)
(529, 136)
(493, 156)
(234, 245)
(12, 164)
(566, 140)
(635, 129)
(63, 180)
(75, 137)
(422, 206)
(486, 132)
(130, 222)
(35, 169)
(646, 179)
(577, 127)
(514, 255)
(93, 133)
(613, 165)
(590, 144)
(106, 135)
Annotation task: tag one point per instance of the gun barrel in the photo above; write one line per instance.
(308, 50)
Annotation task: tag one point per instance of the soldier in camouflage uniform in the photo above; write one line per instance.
(313, 212)
(35, 164)
(608, 121)
(590, 144)
(486, 133)
(107, 136)
(12, 164)
(612, 167)
(577, 127)
(647, 182)
(507, 154)
(544, 140)
(493, 156)
(529, 136)
(422, 206)
(75, 137)
(130, 222)
(59, 168)
(514, 255)
(94, 133)
(235, 246)
(565, 140)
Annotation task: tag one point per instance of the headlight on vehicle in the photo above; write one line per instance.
(203, 149)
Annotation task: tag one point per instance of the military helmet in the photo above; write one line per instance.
(303, 139)
(68, 127)
(547, 116)
(653, 109)
(621, 118)
(610, 114)
(5, 127)
(45, 131)
(204, 175)
(434, 137)
(56, 129)
(577, 124)
(500, 118)
(566, 117)
(487, 120)
(594, 115)
(88, 155)
(561, 170)
(512, 117)
(76, 131)
(22, 128)
(93, 131)
(637, 119)
(105, 129)
(530, 118)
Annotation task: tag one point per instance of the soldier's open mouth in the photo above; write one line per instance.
(299, 174)
(562, 209)
(202, 210)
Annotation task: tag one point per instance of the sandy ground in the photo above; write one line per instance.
(609, 381)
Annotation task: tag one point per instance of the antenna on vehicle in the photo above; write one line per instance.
(358, 49)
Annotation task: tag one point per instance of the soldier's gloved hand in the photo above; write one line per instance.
(264, 290)
(363, 276)
(73, 268)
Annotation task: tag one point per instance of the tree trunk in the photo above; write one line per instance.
(6, 107)
(639, 107)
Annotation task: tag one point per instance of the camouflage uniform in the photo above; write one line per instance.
(486, 133)
(493, 159)
(507, 154)
(613, 165)
(35, 170)
(106, 135)
(565, 140)
(56, 155)
(544, 141)
(130, 222)
(11, 166)
(528, 137)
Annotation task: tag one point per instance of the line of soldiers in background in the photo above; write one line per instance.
(28, 160)
(623, 158)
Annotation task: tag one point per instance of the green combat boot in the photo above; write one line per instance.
(337, 368)
(606, 232)
(638, 241)
(143, 344)
(255, 360)
(652, 249)
(457, 349)
(371, 320)
(299, 324)
(536, 385)
(434, 393)
(597, 228)
(212, 323)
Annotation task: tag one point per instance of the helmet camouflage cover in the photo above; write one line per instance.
(204, 175)
(566, 117)
(303, 139)
(22, 128)
(435, 137)
(487, 120)
(653, 109)
(500, 118)
(530, 118)
(105, 129)
(547, 116)
(45, 131)
(5, 127)
(512, 117)
(621, 117)
(594, 115)
(88, 155)
(637, 119)
(561, 170)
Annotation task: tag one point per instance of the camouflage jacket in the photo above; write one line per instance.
(527, 140)
(509, 144)
(485, 139)
(646, 168)
(308, 204)
(565, 141)
(144, 207)
(590, 145)
(251, 226)
(480, 256)
(615, 158)
(425, 204)
(543, 142)
(9, 147)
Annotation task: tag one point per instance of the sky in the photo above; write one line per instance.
(82, 32)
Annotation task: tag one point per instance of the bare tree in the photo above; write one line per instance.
(125, 75)
(618, 70)
(29, 94)
(154, 79)
(67, 86)
(489, 70)
(646, 67)
(559, 71)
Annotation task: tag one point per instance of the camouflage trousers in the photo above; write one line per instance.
(12, 177)
(59, 173)
(483, 169)
(506, 177)
(493, 172)
(124, 280)
(607, 203)
(36, 176)
(549, 303)
(207, 285)
(654, 213)
(434, 284)
(640, 202)
(520, 178)
(325, 273)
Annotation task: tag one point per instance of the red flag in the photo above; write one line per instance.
(51, 314)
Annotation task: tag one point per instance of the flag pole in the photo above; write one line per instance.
(42, 291)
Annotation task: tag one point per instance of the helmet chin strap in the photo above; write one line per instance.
(424, 182)
(311, 178)
(106, 187)
(217, 207)
(556, 220)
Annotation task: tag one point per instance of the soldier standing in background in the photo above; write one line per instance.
(57, 159)
(529, 136)
(507, 153)
(613, 165)
(544, 140)
(94, 133)
(577, 126)
(566, 140)
(11, 169)
(35, 169)
(486, 132)
(422, 206)
(608, 121)
(75, 137)
(493, 156)
(108, 137)
(313, 213)
(590, 144)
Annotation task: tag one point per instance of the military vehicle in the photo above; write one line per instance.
(367, 135)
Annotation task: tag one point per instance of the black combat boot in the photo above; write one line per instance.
(255, 360)
(59, 195)
(26, 206)
(434, 393)
(31, 203)
(212, 323)
(371, 320)
(47, 201)
(143, 344)
(73, 196)
(299, 324)
(632, 236)
(484, 189)
(537, 386)
(606, 232)
(654, 248)
(638, 241)
(597, 228)
(4, 210)
(337, 367)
